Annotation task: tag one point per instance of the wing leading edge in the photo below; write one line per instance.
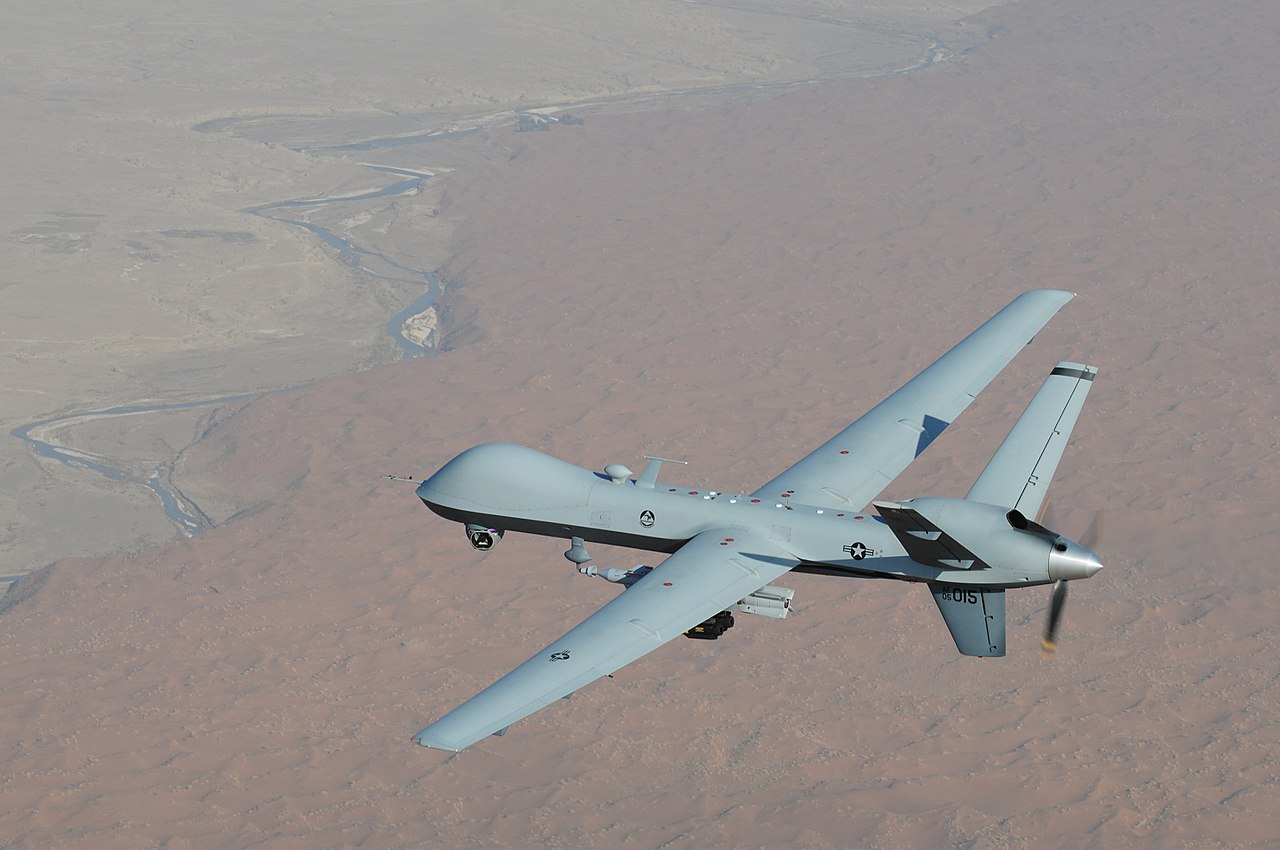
(852, 467)
(711, 572)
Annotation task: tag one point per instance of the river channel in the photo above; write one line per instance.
(184, 513)
(180, 510)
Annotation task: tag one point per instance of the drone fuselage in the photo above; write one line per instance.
(503, 487)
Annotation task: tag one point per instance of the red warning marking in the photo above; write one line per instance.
(755, 501)
(785, 496)
(693, 492)
(666, 584)
(859, 516)
(844, 452)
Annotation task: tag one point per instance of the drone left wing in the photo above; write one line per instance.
(848, 470)
(711, 572)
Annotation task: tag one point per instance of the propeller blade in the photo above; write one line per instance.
(1045, 515)
(1093, 533)
(1056, 603)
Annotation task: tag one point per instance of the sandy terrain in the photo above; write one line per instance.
(730, 286)
(139, 139)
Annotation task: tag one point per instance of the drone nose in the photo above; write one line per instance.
(1069, 561)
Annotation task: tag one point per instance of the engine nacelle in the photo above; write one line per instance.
(481, 537)
(958, 534)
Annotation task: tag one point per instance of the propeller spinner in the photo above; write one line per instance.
(1068, 561)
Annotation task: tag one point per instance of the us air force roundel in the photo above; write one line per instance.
(858, 551)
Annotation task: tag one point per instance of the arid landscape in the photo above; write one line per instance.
(199, 206)
(726, 277)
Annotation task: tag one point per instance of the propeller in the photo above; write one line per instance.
(1058, 598)
(1093, 533)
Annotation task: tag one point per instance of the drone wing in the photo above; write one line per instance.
(711, 572)
(848, 470)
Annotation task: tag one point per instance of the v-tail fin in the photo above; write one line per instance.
(974, 616)
(1018, 474)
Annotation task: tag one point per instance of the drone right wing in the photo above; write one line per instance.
(710, 573)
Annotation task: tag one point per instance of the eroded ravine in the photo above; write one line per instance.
(411, 328)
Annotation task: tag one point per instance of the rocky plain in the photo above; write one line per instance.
(727, 275)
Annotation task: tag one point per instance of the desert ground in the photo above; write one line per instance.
(728, 278)
(192, 207)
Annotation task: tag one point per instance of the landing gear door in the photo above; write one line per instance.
(975, 616)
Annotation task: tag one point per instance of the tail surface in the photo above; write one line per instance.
(1017, 477)
(1018, 474)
